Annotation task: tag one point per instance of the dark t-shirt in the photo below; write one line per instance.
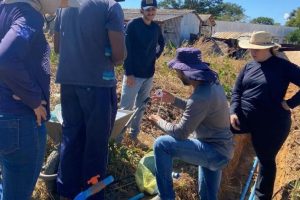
(24, 59)
(142, 41)
(84, 40)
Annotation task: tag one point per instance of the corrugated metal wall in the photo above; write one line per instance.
(179, 29)
(278, 32)
(190, 23)
(171, 30)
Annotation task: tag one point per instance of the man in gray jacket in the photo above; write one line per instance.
(206, 116)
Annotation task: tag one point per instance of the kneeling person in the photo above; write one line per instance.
(206, 116)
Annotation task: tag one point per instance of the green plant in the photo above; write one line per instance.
(54, 58)
(294, 36)
(170, 48)
(295, 191)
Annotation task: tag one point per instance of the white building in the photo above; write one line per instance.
(177, 25)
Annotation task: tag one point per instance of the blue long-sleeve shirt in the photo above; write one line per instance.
(24, 59)
(261, 87)
(142, 41)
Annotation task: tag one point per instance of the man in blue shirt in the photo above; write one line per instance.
(143, 36)
(24, 93)
(91, 42)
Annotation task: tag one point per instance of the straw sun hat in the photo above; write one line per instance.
(258, 40)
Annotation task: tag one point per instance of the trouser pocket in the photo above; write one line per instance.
(9, 135)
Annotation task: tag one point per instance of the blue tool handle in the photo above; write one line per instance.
(94, 189)
(108, 180)
(137, 197)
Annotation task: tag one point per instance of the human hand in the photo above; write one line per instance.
(163, 96)
(154, 118)
(234, 121)
(130, 81)
(40, 113)
(285, 105)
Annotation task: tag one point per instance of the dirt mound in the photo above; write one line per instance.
(221, 48)
(288, 159)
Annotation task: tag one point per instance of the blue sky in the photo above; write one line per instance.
(275, 9)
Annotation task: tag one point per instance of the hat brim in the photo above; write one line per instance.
(176, 64)
(147, 7)
(197, 72)
(245, 44)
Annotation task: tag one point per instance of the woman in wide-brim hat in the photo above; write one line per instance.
(258, 106)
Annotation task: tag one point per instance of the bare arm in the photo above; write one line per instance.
(117, 42)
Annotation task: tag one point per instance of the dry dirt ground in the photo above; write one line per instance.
(288, 159)
(234, 176)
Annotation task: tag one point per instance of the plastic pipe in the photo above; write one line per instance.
(249, 179)
(94, 189)
(137, 197)
(251, 197)
(1, 191)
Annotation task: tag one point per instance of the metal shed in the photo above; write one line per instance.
(177, 25)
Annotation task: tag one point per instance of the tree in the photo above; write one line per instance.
(200, 6)
(294, 36)
(222, 11)
(204, 6)
(176, 4)
(294, 18)
(263, 20)
(231, 12)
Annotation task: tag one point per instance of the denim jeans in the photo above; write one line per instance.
(22, 148)
(88, 118)
(193, 151)
(133, 97)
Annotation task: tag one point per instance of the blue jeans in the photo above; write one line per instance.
(193, 151)
(22, 148)
(133, 97)
(88, 118)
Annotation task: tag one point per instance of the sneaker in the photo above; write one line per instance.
(156, 198)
